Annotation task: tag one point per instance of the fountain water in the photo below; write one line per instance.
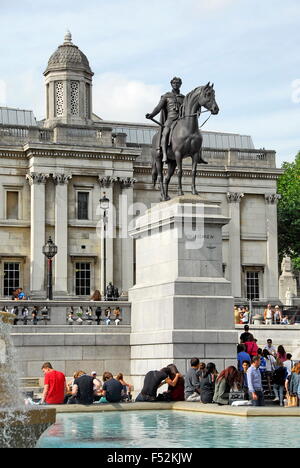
(19, 427)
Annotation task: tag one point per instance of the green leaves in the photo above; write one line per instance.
(289, 212)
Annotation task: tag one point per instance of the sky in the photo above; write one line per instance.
(250, 49)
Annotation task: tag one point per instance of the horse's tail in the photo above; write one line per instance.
(154, 170)
(154, 166)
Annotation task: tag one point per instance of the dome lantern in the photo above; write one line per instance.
(68, 79)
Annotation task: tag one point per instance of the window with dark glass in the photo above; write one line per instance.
(83, 205)
(11, 274)
(12, 205)
(252, 282)
(83, 279)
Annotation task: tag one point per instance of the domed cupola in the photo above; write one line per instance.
(68, 79)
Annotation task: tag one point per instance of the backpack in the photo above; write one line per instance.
(279, 376)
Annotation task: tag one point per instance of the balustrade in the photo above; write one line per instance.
(76, 313)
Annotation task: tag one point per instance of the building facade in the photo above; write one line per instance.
(53, 173)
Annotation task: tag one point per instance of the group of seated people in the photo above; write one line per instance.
(201, 383)
(84, 389)
(89, 389)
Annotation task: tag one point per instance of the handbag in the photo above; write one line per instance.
(236, 395)
(292, 401)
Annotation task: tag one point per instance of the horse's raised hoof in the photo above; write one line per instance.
(202, 161)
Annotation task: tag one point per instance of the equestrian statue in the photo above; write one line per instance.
(179, 136)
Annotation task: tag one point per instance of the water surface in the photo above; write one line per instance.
(169, 429)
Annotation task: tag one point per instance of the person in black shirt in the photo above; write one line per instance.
(152, 381)
(83, 389)
(245, 337)
(111, 389)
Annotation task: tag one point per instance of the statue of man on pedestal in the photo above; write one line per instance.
(169, 106)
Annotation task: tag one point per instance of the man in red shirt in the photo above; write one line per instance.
(54, 386)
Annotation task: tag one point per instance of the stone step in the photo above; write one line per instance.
(32, 382)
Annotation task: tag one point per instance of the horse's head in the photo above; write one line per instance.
(207, 98)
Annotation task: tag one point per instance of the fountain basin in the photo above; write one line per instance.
(22, 429)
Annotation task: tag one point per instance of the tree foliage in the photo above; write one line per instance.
(289, 211)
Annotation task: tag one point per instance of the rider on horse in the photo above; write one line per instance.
(169, 106)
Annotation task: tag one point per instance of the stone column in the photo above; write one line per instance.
(271, 271)
(234, 260)
(125, 204)
(37, 183)
(107, 185)
(61, 233)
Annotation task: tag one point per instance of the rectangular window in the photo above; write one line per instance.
(12, 205)
(252, 284)
(11, 273)
(82, 279)
(82, 205)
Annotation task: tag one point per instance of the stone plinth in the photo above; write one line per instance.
(181, 303)
(287, 282)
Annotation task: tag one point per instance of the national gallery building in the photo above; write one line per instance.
(54, 172)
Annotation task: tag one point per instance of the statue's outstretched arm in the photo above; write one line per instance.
(157, 109)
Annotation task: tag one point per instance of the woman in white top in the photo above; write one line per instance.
(270, 367)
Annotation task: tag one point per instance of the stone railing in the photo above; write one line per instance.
(102, 136)
(228, 158)
(240, 157)
(96, 135)
(16, 132)
(23, 134)
(252, 157)
(66, 312)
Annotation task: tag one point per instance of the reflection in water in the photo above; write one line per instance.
(169, 429)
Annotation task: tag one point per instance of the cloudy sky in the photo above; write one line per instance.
(250, 49)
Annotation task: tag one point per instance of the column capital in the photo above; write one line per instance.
(272, 198)
(234, 197)
(127, 182)
(61, 179)
(37, 178)
(107, 181)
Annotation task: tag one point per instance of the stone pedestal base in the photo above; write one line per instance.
(181, 305)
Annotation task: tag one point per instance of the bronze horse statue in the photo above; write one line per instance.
(185, 140)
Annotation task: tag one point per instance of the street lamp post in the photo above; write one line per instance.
(104, 205)
(49, 250)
